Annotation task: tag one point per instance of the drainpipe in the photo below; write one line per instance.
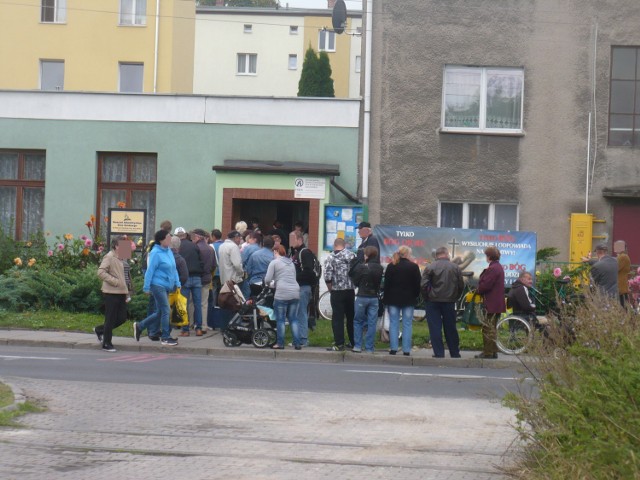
(367, 103)
(155, 62)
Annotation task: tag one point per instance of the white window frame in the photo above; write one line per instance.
(247, 63)
(483, 100)
(248, 28)
(57, 62)
(293, 29)
(358, 64)
(120, 65)
(491, 216)
(328, 35)
(59, 11)
(133, 20)
(293, 56)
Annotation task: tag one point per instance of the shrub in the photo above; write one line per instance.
(585, 421)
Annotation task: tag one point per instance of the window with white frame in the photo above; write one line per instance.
(248, 28)
(293, 61)
(482, 99)
(327, 41)
(624, 98)
(293, 30)
(133, 12)
(483, 216)
(53, 11)
(247, 63)
(358, 63)
(22, 175)
(52, 75)
(131, 77)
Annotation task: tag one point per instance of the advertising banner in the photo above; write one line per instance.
(466, 246)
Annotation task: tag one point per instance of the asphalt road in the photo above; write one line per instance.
(136, 415)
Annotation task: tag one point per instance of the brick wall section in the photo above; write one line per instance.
(229, 194)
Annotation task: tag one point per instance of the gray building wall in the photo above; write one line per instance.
(414, 165)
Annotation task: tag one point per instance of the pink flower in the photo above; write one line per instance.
(50, 253)
(100, 249)
(87, 242)
(60, 246)
(557, 272)
(83, 237)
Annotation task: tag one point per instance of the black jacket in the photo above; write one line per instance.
(191, 255)
(519, 300)
(446, 280)
(401, 284)
(305, 275)
(367, 278)
(370, 241)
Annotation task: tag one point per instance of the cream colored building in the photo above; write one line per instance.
(97, 45)
(260, 51)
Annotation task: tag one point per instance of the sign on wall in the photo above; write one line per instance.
(127, 221)
(306, 187)
(466, 246)
(340, 221)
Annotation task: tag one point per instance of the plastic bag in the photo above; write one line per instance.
(178, 303)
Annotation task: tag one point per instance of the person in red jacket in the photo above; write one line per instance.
(491, 285)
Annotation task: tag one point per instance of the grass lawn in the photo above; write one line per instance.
(322, 336)
(7, 416)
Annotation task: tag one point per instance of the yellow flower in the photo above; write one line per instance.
(68, 236)
(32, 262)
(537, 273)
(29, 244)
(17, 261)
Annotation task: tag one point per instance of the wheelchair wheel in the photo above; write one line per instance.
(514, 334)
(324, 305)
(260, 338)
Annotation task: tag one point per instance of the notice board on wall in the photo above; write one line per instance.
(340, 221)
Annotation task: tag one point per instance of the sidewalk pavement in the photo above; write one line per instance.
(211, 344)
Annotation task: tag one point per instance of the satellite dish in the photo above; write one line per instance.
(339, 16)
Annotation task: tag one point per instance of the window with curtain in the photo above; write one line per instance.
(22, 175)
(133, 12)
(53, 11)
(327, 41)
(482, 99)
(247, 63)
(481, 216)
(293, 62)
(624, 98)
(129, 178)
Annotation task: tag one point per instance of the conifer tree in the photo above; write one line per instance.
(315, 79)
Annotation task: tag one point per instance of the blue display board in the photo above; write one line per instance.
(466, 246)
(340, 221)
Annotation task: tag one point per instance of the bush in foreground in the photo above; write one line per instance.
(584, 419)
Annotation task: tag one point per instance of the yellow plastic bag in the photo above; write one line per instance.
(178, 303)
(473, 297)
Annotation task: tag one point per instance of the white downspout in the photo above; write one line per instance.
(366, 135)
(155, 62)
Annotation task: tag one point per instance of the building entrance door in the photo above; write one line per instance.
(625, 227)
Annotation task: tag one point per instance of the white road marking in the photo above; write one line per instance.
(439, 375)
(17, 357)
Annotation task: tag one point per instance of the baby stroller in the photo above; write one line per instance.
(251, 323)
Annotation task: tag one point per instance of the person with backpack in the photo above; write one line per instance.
(306, 264)
(367, 278)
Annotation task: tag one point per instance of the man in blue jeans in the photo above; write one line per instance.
(442, 283)
(192, 290)
(367, 278)
(304, 260)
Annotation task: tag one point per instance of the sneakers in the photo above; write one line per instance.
(392, 352)
(108, 348)
(171, 342)
(336, 348)
(99, 335)
(154, 338)
(356, 350)
(136, 331)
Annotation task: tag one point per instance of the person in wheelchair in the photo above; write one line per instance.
(520, 300)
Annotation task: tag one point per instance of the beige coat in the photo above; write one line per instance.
(111, 272)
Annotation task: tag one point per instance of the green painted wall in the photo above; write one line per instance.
(186, 188)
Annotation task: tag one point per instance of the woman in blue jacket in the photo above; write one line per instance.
(160, 278)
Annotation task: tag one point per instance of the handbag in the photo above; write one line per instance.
(384, 326)
(178, 303)
(473, 309)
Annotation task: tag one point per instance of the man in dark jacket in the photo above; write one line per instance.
(367, 278)
(304, 260)
(491, 285)
(604, 272)
(336, 276)
(368, 240)
(519, 299)
(208, 258)
(193, 288)
(442, 283)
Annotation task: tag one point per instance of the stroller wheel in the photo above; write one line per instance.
(230, 340)
(261, 338)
